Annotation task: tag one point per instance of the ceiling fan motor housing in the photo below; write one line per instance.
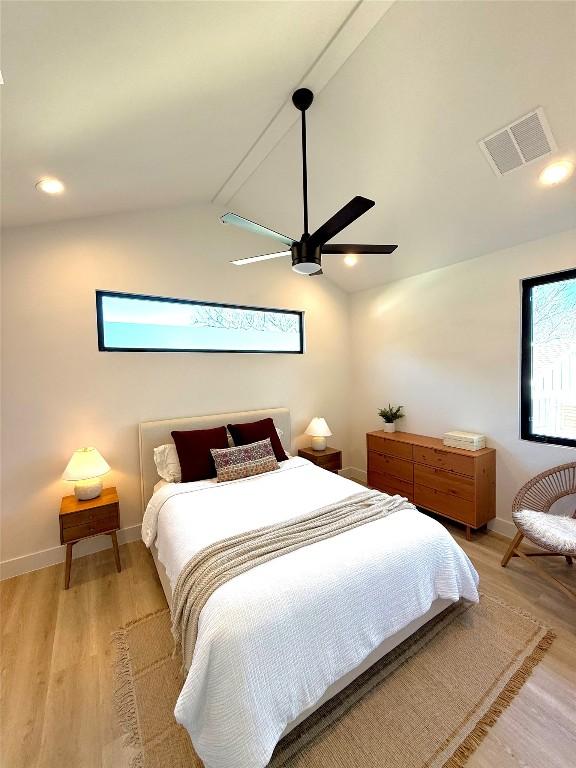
(306, 259)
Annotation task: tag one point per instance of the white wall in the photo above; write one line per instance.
(59, 392)
(445, 344)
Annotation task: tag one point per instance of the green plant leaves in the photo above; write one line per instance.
(391, 414)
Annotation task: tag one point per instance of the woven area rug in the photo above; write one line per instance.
(428, 703)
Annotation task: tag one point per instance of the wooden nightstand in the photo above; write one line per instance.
(329, 458)
(82, 519)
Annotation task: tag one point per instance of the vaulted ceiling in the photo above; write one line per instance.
(141, 105)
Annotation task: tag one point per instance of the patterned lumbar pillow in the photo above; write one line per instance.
(244, 460)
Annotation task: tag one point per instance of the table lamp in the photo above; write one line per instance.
(319, 431)
(85, 467)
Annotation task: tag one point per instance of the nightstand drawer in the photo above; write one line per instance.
(332, 463)
(389, 465)
(453, 462)
(87, 516)
(101, 525)
(329, 458)
(389, 446)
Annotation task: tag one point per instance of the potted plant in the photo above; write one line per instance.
(391, 416)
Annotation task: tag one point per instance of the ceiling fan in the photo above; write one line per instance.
(307, 252)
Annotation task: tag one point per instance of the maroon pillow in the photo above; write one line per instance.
(254, 431)
(193, 448)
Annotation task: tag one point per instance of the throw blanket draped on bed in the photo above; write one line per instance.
(218, 563)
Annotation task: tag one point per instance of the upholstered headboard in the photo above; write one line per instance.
(155, 433)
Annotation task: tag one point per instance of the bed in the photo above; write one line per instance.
(276, 642)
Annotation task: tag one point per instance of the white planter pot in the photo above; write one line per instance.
(389, 427)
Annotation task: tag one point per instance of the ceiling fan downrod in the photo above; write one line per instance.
(302, 99)
(305, 260)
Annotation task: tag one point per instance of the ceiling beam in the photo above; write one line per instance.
(354, 29)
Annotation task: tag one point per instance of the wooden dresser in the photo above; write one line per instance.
(452, 482)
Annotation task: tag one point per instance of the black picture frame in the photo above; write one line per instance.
(526, 358)
(100, 294)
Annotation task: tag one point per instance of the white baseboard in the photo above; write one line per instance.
(55, 555)
(353, 473)
(504, 527)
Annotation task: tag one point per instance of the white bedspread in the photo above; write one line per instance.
(272, 640)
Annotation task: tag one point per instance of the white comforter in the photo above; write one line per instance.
(272, 640)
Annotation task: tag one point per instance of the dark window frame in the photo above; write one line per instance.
(526, 358)
(100, 294)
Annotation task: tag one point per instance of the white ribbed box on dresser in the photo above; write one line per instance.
(469, 441)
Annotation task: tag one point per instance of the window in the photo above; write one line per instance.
(132, 323)
(548, 382)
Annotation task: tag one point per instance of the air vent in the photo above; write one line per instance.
(519, 143)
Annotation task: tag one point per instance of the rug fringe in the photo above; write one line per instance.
(124, 696)
(137, 761)
(502, 702)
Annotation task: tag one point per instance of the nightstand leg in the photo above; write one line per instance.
(68, 565)
(468, 533)
(116, 551)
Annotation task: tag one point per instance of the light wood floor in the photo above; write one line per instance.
(56, 665)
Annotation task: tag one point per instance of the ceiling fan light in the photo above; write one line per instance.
(50, 186)
(306, 267)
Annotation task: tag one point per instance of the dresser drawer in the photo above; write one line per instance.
(102, 525)
(446, 482)
(392, 485)
(390, 447)
(453, 462)
(84, 516)
(389, 465)
(445, 504)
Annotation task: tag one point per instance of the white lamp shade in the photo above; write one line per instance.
(318, 428)
(84, 464)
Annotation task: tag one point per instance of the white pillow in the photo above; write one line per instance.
(281, 435)
(167, 463)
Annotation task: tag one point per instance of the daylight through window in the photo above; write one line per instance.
(548, 398)
(132, 323)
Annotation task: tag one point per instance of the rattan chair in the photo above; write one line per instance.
(531, 513)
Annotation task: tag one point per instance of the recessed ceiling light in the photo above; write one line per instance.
(350, 259)
(50, 186)
(555, 173)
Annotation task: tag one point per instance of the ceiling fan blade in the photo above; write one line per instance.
(257, 229)
(355, 248)
(345, 216)
(263, 257)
